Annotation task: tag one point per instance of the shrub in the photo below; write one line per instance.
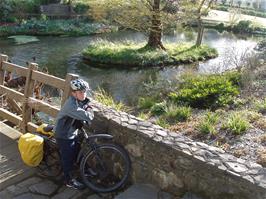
(81, 8)
(143, 115)
(146, 103)
(209, 91)
(243, 26)
(236, 123)
(158, 108)
(220, 27)
(207, 125)
(234, 77)
(261, 46)
(162, 122)
(261, 106)
(6, 8)
(177, 113)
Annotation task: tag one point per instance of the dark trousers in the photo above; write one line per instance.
(68, 151)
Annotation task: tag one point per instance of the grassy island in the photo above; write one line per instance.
(131, 54)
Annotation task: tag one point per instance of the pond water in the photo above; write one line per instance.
(61, 55)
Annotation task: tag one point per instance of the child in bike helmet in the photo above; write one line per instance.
(74, 109)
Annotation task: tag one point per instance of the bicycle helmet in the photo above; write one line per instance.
(79, 85)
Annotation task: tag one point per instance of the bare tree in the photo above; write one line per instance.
(195, 10)
(148, 16)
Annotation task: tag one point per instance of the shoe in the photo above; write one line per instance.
(73, 183)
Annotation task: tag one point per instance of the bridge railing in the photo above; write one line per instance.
(33, 76)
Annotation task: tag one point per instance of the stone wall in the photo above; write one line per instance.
(177, 164)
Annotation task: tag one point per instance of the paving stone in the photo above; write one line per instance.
(189, 195)
(138, 191)
(45, 187)
(94, 196)
(31, 196)
(82, 194)
(16, 190)
(65, 193)
(30, 181)
(5, 194)
(165, 195)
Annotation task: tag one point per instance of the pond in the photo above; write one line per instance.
(61, 55)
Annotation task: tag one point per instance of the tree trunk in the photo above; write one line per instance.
(155, 36)
(200, 33)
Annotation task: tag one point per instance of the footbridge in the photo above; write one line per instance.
(167, 160)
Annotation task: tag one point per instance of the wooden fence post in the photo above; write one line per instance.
(28, 92)
(2, 72)
(67, 89)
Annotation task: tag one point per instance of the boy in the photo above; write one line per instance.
(66, 131)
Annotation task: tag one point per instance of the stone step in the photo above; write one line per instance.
(146, 191)
(37, 187)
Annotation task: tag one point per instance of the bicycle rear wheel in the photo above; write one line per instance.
(50, 166)
(106, 168)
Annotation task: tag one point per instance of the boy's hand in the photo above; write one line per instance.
(87, 107)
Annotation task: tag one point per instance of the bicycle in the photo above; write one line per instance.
(104, 167)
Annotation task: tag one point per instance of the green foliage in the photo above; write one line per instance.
(177, 113)
(130, 54)
(234, 77)
(206, 91)
(146, 103)
(246, 11)
(43, 17)
(143, 115)
(207, 124)
(220, 27)
(81, 8)
(261, 46)
(103, 97)
(71, 27)
(162, 122)
(246, 26)
(158, 108)
(261, 106)
(243, 26)
(236, 123)
(6, 8)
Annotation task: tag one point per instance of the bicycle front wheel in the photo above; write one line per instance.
(105, 168)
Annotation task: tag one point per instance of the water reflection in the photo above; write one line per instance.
(62, 55)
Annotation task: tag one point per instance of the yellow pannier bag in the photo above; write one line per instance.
(41, 130)
(31, 149)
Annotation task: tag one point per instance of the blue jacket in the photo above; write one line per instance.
(71, 110)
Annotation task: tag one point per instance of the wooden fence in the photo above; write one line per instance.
(33, 76)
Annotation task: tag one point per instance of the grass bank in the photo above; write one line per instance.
(71, 27)
(131, 54)
(246, 11)
(219, 110)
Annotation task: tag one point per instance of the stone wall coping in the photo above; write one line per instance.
(209, 155)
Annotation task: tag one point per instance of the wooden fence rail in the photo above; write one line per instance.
(27, 99)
